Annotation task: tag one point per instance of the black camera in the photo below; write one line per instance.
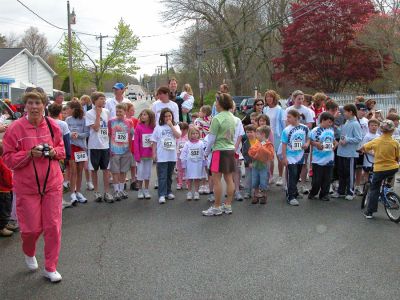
(45, 148)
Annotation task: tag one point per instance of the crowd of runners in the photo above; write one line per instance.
(46, 153)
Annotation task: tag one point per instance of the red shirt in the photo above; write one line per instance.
(5, 177)
(317, 111)
(135, 121)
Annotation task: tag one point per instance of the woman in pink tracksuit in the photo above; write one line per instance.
(33, 146)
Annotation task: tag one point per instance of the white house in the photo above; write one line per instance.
(20, 69)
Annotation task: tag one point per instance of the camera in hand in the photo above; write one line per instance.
(45, 148)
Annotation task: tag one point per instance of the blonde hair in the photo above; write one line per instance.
(320, 96)
(188, 89)
(85, 97)
(193, 129)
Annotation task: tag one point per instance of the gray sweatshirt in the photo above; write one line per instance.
(78, 125)
(352, 133)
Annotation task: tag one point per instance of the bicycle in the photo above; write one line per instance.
(389, 199)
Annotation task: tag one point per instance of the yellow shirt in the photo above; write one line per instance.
(386, 152)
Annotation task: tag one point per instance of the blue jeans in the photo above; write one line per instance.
(375, 188)
(259, 178)
(164, 173)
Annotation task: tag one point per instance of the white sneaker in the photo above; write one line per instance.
(147, 195)
(156, 184)
(337, 195)
(349, 197)
(81, 198)
(189, 196)
(140, 194)
(294, 202)
(66, 204)
(196, 196)
(74, 199)
(201, 189)
(124, 195)
(211, 198)
(206, 189)
(161, 200)
(279, 181)
(31, 263)
(171, 196)
(226, 209)
(52, 276)
(212, 211)
(89, 186)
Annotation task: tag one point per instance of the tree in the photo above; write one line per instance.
(35, 42)
(3, 41)
(320, 49)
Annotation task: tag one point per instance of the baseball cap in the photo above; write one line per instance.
(361, 106)
(119, 86)
(387, 125)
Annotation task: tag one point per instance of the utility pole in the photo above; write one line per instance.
(166, 61)
(199, 54)
(71, 20)
(155, 81)
(101, 37)
(160, 69)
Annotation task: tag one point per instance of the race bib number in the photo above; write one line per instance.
(169, 144)
(297, 145)
(103, 132)
(194, 154)
(397, 138)
(146, 140)
(328, 146)
(121, 137)
(80, 156)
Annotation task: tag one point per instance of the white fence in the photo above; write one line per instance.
(383, 101)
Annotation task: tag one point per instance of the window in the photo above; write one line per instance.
(4, 90)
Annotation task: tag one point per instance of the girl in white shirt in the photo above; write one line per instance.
(164, 152)
(192, 158)
(188, 101)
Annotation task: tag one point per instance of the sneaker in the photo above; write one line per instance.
(147, 194)
(368, 215)
(206, 189)
(312, 197)
(133, 186)
(81, 198)
(246, 196)
(325, 198)
(196, 196)
(66, 204)
(255, 200)
(238, 196)
(156, 185)
(349, 197)
(31, 262)
(212, 211)
(337, 195)
(398, 180)
(279, 181)
(108, 198)
(161, 200)
(226, 209)
(294, 202)
(189, 196)
(89, 186)
(124, 195)
(171, 196)
(6, 232)
(201, 189)
(358, 191)
(304, 190)
(98, 197)
(140, 194)
(263, 200)
(331, 191)
(12, 225)
(65, 187)
(116, 196)
(54, 277)
(211, 198)
(178, 187)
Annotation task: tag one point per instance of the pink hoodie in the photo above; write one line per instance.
(141, 152)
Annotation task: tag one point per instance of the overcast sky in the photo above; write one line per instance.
(95, 16)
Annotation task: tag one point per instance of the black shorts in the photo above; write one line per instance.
(223, 162)
(99, 158)
(360, 161)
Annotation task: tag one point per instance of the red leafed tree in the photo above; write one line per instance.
(320, 49)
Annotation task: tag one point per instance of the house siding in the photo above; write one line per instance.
(17, 68)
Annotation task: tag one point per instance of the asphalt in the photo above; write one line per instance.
(138, 249)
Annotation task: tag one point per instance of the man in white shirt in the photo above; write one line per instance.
(119, 90)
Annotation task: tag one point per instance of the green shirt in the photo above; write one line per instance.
(223, 127)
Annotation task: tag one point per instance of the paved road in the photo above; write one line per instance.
(138, 249)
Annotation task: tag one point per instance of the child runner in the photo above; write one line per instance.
(373, 126)
(6, 196)
(294, 141)
(99, 145)
(203, 122)
(262, 152)
(387, 154)
(164, 102)
(323, 156)
(144, 152)
(350, 137)
(130, 115)
(180, 143)
(121, 132)
(188, 101)
(248, 140)
(164, 152)
(192, 159)
(362, 111)
(79, 134)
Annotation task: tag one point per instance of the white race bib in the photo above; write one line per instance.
(328, 146)
(297, 145)
(146, 140)
(169, 144)
(80, 156)
(121, 137)
(194, 154)
(104, 132)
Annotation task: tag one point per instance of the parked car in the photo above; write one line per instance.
(7, 116)
(247, 105)
(238, 100)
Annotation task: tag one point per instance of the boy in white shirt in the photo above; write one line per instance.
(99, 145)
(164, 102)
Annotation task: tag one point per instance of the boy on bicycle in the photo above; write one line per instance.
(386, 162)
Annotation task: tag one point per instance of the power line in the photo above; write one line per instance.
(55, 45)
(77, 36)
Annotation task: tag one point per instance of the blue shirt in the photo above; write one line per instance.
(295, 138)
(325, 136)
(352, 133)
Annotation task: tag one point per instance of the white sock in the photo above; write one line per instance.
(116, 187)
(121, 187)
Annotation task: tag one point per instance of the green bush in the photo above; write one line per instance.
(209, 99)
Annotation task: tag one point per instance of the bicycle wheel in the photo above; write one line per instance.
(392, 207)
(364, 198)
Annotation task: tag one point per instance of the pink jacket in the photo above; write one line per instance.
(18, 140)
(141, 152)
